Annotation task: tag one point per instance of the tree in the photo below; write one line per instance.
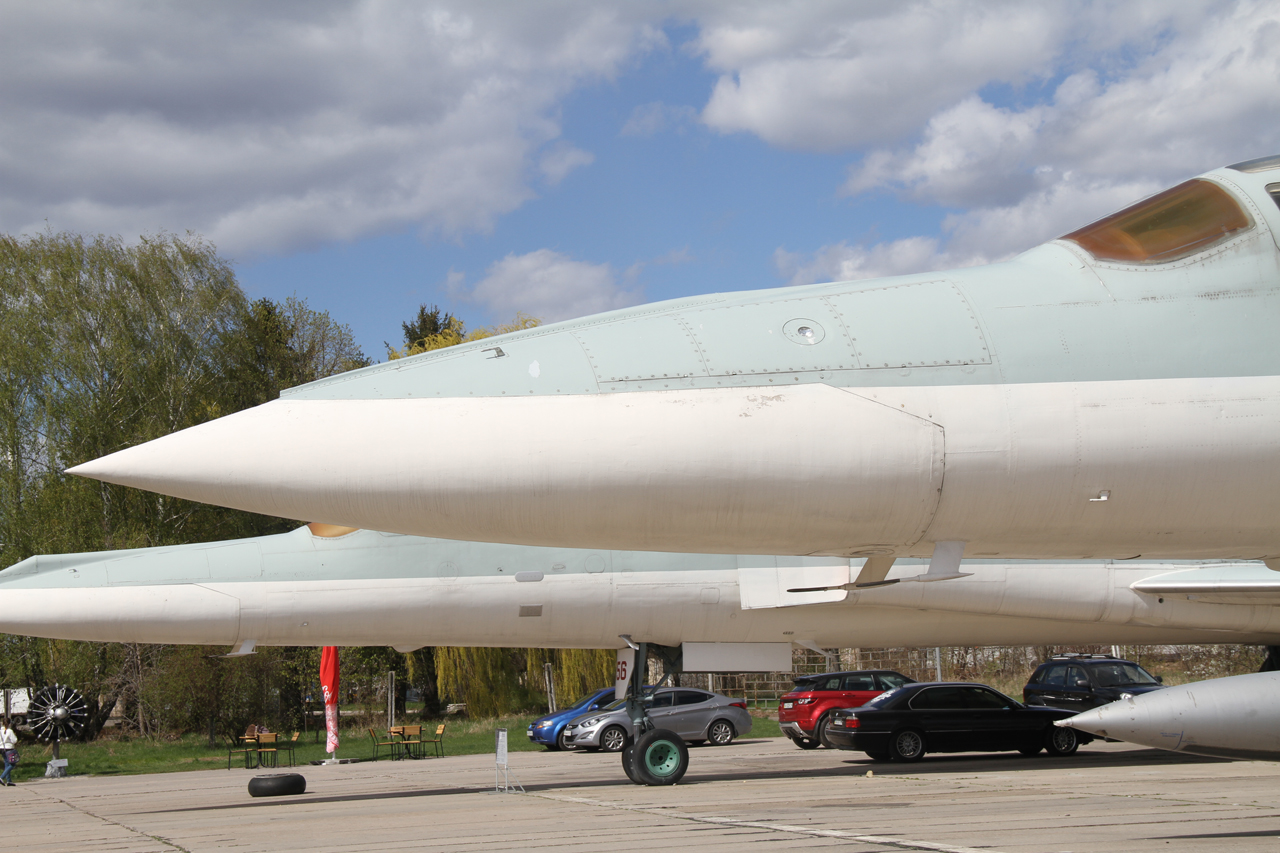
(105, 345)
(433, 329)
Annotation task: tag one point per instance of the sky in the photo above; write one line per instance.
(567, 157)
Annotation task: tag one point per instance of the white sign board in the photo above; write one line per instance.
(500, 746)
(622, 672)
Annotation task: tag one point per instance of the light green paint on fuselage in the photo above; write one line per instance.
(1053, 314)
(299, 557)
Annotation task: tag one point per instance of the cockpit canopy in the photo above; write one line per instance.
(1173, 224)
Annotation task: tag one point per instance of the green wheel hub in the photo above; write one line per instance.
(661, 758)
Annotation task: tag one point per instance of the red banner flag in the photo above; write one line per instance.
(329, 684)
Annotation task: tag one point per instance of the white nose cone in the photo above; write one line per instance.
(1237, 717)
(801, 470)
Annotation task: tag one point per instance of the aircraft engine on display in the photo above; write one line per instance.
(1113, 393)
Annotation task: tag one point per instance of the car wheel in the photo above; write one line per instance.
(907, 745)
(660, 758)
(696, 742)
(879, 756)
(820, 731)
(1030, 750)
(613, 739)
(561, 743)
(721, 733)
(628, 763)
(805, 742)
(1061, 741)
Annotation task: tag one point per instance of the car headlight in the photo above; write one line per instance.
(544, 724)
(1126, 695)
(586, 724)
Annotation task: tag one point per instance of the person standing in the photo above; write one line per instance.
(8, 750)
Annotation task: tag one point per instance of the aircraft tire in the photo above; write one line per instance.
(1061, 741)
(660, 758)
(277, 785)
(907, 746)
(629, 763)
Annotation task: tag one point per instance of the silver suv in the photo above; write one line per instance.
(695, 715)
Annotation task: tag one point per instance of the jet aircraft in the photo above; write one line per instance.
(1114, 393)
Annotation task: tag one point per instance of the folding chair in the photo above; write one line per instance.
(236, 747)
(378, 744)
(411, 741)
(267, 757)
(438, 740)
(289, 746)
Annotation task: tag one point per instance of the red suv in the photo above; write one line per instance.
(803, 713)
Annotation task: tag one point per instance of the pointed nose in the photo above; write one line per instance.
(705, 470)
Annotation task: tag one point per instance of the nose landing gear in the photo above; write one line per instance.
(652, 756)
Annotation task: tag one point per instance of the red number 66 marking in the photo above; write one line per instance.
(622, 671)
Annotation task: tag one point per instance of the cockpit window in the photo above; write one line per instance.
(1274, 191)
(1176, 223)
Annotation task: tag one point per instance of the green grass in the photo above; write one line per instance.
(120, 756)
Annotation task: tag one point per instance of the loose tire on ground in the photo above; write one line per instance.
(613, 739)
(721, 733)
(805, 742)
(907, 745)
(660, 758)
(277, 785)
(1061, 741)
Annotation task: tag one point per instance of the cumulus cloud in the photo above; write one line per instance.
(551, 286)
(1138, 96)
(268, 127)
(842, 262)
(272, 127)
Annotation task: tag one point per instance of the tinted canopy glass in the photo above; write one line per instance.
(1176, 223)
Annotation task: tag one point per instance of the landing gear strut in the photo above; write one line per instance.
(653, 756)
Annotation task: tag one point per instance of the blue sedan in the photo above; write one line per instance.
(549, 730)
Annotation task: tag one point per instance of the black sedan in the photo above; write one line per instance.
(906, 723)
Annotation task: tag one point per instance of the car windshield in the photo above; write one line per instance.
(581, 703)
(1170, 225)
(647, 699)
(1121, 675)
